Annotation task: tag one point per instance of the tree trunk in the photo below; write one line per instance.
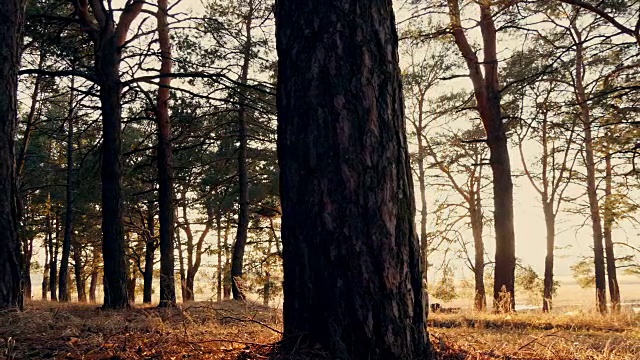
(68, 222)
(220, 269)
(10, 261)
(585, 117)
(227, 263)
(165, 159)
(487, 93)
(547, 295)
(45, 272)
(614, 289)
(183, 280)
(480, 298)
(346, 188)
(149, 254)
(113, 243)
(93, 283)
(53, 253)
(243, 179)
(78, 272)
(131, 282)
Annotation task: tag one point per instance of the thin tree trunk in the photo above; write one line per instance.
(10, 260)
(183, 280)
(149, 254)
(69, 213)
(53, 252)
(78, 272)
(585, 117)
(93, 282)
(243, 179)
(614, 289)
(165, 159)
(348, 228)
(550, 222)
(220, 268)
(227, 263)
(480, 298)
(45, 272)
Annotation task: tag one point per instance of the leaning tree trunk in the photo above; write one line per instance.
(243, 179)
(346, 188)
(11, 23)
(68, 220)
(614, 289)
(113, 243)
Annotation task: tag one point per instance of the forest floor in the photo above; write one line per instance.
(230, 330)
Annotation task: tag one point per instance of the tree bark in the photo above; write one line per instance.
(165, 160)
(614, 289)
(243, 179)
(149, 255)
(11, 24)
(226, 286)
(596, 225)
(348, 228)
(68, 222)
(477, 224)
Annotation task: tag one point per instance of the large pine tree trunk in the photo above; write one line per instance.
(348, 227)
(243, 178)
(165, 156)
(113, 243)
(614, 289)
(68, 220)
(11, 22)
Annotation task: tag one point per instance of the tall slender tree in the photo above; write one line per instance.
(348, 228)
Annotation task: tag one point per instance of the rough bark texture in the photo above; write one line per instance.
(68, 217)
(590, 165)
(352, 274)
(11, 23)
(53, 253)
(243, 179)
(487, 93)
(165, 160)
(550, 223)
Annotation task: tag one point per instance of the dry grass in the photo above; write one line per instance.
(234, 331)
(198, 331)
(536, 336)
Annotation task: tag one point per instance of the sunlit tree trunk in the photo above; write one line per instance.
(149, 255)
(614, 289)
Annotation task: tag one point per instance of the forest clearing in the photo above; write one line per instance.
(236, 331)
